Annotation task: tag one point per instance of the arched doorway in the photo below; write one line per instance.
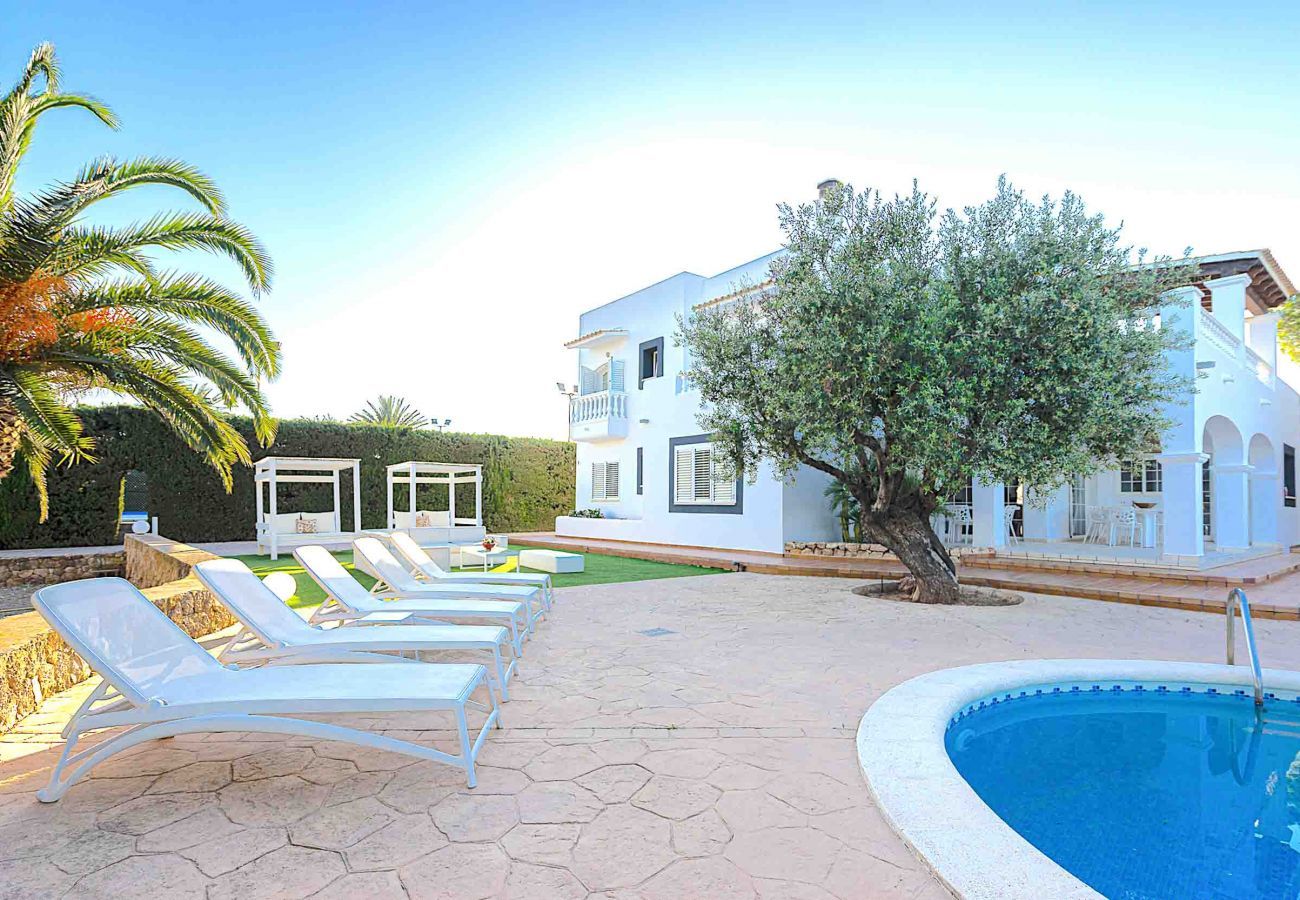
(1265, 498)
(1225, 503)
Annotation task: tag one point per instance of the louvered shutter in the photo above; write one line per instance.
(724, 492)
(684, 475)
(586, 381)
(597, 481)
(611, 481)
(617, 379)
(703, 472)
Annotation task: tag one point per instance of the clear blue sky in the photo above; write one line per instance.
(444, 187)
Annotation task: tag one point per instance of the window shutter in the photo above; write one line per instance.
(724, 492)
(703, 473)
(684, 475)
(597, 481)
(617, 378)
(586, 381)
(611, 481)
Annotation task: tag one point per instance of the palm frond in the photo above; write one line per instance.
(389, 412)
(45, 414)
(169, 231)
(190, 298)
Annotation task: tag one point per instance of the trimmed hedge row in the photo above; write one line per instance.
(527, 482)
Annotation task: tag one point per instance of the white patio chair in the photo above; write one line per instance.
(1121, 521)
(158, 682)
(392, 579)
(347, 602)
(273, 633)
(1098, 525)
(424, 568)
(961, 524)
(1009, 511)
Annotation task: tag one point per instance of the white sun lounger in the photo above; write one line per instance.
(425, 569)
(274, 633)
(158, 682)
(392, 579)
(350, 603)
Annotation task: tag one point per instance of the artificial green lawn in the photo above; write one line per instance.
(600, 569)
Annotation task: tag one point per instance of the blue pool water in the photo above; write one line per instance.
(1144, 791)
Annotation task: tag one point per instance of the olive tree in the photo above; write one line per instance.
(903, 352)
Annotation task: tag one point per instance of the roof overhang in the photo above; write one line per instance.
(736, 294)
(1269, 285)
(594, 340)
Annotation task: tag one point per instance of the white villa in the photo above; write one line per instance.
(1223, 488)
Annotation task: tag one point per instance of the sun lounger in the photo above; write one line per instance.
(425, 569)
(350, 603)
(393, 579)
(158, 682)
(274, 633)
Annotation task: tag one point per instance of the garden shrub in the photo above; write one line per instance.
(527, 482)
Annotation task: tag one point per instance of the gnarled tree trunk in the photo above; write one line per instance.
(904, 529)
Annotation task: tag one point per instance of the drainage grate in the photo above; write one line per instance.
(656, 632)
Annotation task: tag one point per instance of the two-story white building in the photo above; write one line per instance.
(1222, 487)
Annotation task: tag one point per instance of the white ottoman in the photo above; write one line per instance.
(554, 561)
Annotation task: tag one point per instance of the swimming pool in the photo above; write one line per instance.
(1144, 790)
(1130, 793)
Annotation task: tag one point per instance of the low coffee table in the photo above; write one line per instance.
(476, 554)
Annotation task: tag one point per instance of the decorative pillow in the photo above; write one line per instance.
(423, 520)
(305, 526)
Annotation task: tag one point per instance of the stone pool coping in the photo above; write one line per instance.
(940, 817)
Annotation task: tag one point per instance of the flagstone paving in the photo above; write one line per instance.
(714, 761)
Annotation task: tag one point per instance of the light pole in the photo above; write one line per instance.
(439, 425)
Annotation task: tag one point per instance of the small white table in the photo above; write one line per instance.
(493, 557)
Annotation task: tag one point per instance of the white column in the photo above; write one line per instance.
(1047, 516)
(1228, 302)
(338, 508)
(478, 496)
(391, 521)
(451, 499)
(1181, 498)
(410, 499)
(1265, 503)
(1182, 313)
(1231, 505)
(356, 496)
(1261, 336)
(988, 501)
(259, 488)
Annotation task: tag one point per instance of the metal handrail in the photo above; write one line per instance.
(1237, 600)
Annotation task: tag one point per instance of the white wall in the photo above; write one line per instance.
(664, 408)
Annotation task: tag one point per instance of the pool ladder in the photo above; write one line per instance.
(1237, 600)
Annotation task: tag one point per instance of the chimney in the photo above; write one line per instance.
(829, 186)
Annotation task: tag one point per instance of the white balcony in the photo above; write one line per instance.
(598, 416)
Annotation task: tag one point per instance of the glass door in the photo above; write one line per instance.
(1078, 507)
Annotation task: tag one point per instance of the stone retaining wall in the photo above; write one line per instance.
(865, 551)
(35, 568)
(35, 662)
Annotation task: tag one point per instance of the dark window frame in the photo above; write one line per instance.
(1288, 475)
(658, 346)
(640, 471)
(738, 508)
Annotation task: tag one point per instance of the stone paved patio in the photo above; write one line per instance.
(713, 761)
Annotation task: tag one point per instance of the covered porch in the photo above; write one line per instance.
(1216, 505)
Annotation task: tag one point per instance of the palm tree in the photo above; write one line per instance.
(83, 308)
(389, 412)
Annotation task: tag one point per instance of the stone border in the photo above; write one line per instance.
(52, 568)
(933, 809)
(35, 662)
(849, 550)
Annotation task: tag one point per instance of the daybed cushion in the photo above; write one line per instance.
(437, 518)
(287, 523)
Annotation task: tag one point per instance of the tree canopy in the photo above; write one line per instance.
(904, 352)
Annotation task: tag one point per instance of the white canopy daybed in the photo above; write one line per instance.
(276, 529)
(450, 475)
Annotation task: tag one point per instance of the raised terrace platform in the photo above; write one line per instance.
(1273, 581)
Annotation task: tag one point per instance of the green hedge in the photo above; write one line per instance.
(527, 482)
